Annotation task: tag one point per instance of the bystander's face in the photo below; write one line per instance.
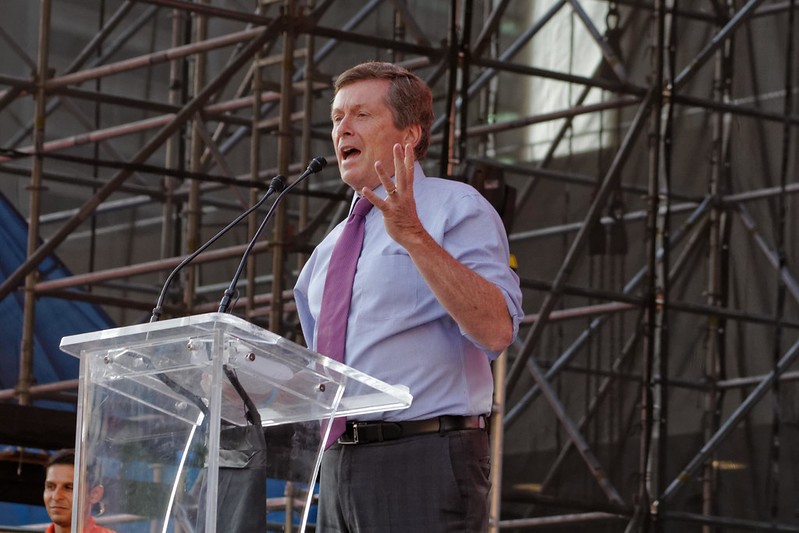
(58, 494)
(364, 132)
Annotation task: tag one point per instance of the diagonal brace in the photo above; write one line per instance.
(185, 114)
(724, 431)
(580, 239)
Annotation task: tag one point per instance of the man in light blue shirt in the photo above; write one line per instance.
(434, 301)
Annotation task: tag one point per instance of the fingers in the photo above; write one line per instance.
(403, 175)
(383, 176)
(403, 168)
(367, 193)
(410, 158)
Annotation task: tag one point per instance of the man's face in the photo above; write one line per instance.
(364, 132)
(58, 494)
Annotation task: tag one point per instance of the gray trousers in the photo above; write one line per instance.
(422, 484)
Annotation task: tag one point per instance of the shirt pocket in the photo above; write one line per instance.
(386, 287)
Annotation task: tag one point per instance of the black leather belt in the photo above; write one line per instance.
(366, 432)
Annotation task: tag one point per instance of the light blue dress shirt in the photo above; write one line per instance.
(397, 331)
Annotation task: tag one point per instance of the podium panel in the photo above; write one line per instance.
(182, 421)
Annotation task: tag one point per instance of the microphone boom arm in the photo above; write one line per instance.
(277, 184)
(315, 166)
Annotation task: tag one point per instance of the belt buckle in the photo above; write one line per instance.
(354, 440)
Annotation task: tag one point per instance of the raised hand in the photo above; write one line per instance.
(399, 206)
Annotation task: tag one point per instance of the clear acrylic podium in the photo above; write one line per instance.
(163, 421)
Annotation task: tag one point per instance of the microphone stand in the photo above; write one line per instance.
(315, 166)
(278, 183)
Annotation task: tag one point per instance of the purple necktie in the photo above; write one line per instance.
(331, 336)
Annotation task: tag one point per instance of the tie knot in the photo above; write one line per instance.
(362, 206)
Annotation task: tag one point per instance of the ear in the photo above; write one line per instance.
(412, 135)
(96, 494)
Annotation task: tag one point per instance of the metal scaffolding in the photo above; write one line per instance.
(653, 380)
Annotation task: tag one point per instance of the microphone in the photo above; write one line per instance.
(315, 166)
(277, 185)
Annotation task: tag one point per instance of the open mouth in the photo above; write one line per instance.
(347, 152)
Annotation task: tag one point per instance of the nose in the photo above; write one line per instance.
(342, 127)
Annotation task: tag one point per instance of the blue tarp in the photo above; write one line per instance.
(55, 318)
